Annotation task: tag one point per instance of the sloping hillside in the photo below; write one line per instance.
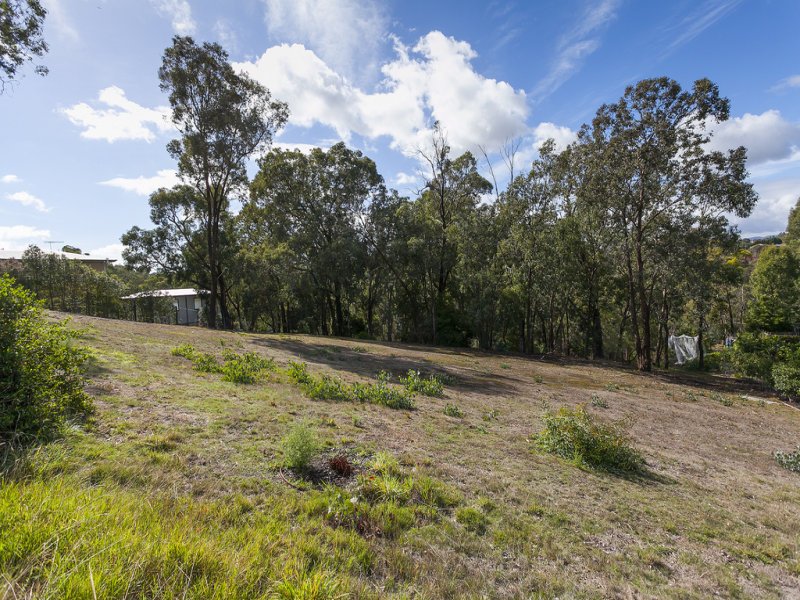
(175, 487)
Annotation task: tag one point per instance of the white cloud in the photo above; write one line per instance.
(179, 12)
(346, 34)
(406, 179)
(574, 47)
(19, 237)
(563, 136)
(109, 251)
(704, 16)
(27, 199)
(122, 120)
(10, 178)
(776, 199)
(767, 137)
(144, 186)
(434, 80)
(792, 81)
(226, 35)
(57, 17)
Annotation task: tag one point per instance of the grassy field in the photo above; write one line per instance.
(175, 487)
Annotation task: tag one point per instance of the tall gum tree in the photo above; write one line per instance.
(223, 118)
(654, 168)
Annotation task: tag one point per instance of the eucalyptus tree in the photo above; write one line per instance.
(656, 169)
(313, 203)
(223, 118)
(21, 40)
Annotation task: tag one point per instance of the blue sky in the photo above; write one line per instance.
(84, 146)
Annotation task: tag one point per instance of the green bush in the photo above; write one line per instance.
(299, 447)
(451, 410)
(755, 354)
(298, 372)
(428, 386)
(206, 363)
(573, 434)
(185, 351)
(245, 368)
(786, 379)
(789, 460)
(41, 378)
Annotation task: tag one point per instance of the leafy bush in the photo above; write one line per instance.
(299, 447)
(245, 368)
(789, 460)
(206, 363)
(429, 386)
(472, 519)
(451, 410)
(326, 387)
(572, 434)
(184, 351)
(599, 402)
(41, 378)
(755, 354)
(786, 379)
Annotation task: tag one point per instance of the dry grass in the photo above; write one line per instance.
(713, 514)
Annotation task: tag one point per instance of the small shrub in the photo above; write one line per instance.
(789, 460)
(599, 402)
(358, 422)
(327, 388)
(299, 447)
(724, 400)
(206, 363)
(572, 434)
(451, 410)
(429, 386)
(505, 366)
(382, 393)
(245, 368)
(786, 379)
(538, 379)
(341, 466)
(298, 372)
(491, 415)
(472, 519)
(41, 372)
(185, 351)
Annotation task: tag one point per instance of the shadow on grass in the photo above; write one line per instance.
(366, 364)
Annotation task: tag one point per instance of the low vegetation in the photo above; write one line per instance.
(575, 435)
(789, 460)
(41, 375)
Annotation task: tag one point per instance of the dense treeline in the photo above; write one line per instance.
(601, 249)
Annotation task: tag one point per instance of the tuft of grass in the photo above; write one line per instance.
(300, 446)
(384, 463)
(452, 410)
(326, 387)
(298, 584)
(472, 519)
(574, 435)
(789, 460)
(427, 386)
(599, 402)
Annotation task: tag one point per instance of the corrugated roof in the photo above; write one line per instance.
(173, 293)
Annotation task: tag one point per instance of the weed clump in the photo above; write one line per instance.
(326, 387)
(574, 435)
(427, 386)
(184, 351)
(472, 519)
(299, 446)
(452, 410)
(245, 368)
(599, 402)
(789, 460)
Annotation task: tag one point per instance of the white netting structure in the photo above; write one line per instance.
(684, 346)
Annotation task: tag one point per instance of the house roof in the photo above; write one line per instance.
(173, 293)
(17, 255)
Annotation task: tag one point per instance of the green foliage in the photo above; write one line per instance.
(206, 363)
(41, 378)
(326, 387)
(297, 584)
(299, 447)
(452, 410)
(245, 368)
(429, 386)
(775, 286)
(472, 519)
(385, 463)
(21, 26)
(756, 354)
(786, 379)
(185, 351)
(789, 460)
(573, 434)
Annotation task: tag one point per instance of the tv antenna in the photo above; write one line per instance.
(51, 242)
